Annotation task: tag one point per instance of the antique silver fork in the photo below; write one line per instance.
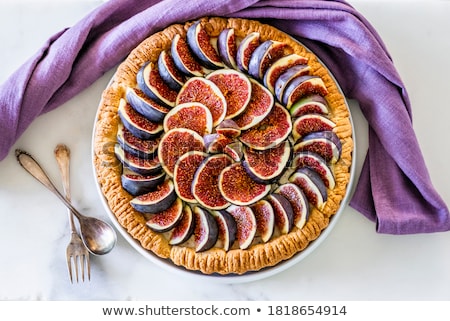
(77, 254)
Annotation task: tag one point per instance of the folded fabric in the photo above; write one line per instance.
(393, 191)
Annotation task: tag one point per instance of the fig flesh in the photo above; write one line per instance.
(202, 90)
(228, 128)
(310, 123)
(200, 44)
(184, 228)
(169, 72)
(324, 143)
(265, 219)
(216, 143)
(264, 55)
(235, 87)
(195, 116)
(184, 173)
(226, 45)
(284, 214)
(271, 131)
(312, 186)
(303, 86)
(245, 49)
(235, 150)
(205, 231)
(298, 200)
(279, 67)
(157, 200)
(145, 106)
(287, 77)
(136, 146)
(184, 59)
(238, 188)
(142, 166)
(268, 165)
(166, 220)
(205, 187)
(312, 104)
(136, 184)
(227, 229)
(317, 164)
(245, 225)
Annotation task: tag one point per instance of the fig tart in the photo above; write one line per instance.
(223, 145)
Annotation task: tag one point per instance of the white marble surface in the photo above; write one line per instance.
(353, 263)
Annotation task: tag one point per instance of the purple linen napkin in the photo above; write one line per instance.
(394, 188)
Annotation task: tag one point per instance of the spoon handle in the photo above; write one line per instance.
(33, 167)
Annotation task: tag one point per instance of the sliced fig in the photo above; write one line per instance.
(238, 188)
(227, 229)
(205, 186)
(245, 225)
(183, 174)
(264, 55)
(145, 106)
(195, 116)
(150, 82)
(279, 67)
(268, 165)
(136, 146)
(235, 150)
(199, 42)
(184, 228)
(324, 143)
(265, 219)
(287, 77)
(175, 143)
(303, 86)
(136, 184)
(184, 59)
(284, 214)
(226, 45)
(205, 230)
(235, 87)
(312, 186)
(260, 105)
(166, 220)
(312, 104)
(317, 164)
(137, 124)
(201, 90)
(157, 200)
(298, 200)
(271, 131)
(142, 166)
(228, 128)
(245, 49)
(169, 72)
(310, 123)
(215, 143)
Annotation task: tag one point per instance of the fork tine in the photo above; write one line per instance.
(69, 267)
(82, 263)
(88, 265)
(76, 262)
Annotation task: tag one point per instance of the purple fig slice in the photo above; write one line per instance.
(245, 225)
(260, 105)
(310, 123)
(303, 86)
(136, 184)
(201, 90)
(264, 55)
(265, 219)
(169, 72)
(279, 67)
(287, 77)
(238, 188)
(215, 143)
(245, 49)
(142, 166)
(317, 164)
(226, 45)
(166, 220)
(235, 150)
(137, 124)
(312, 186)
(157, 200)
(298, 200)
(228, 128)
(195, 116)
(200, 44)
(312, 104)
(184, 59)
(136, 146)
(284, 214)
(184, 172)
(150, 82)
(175, 143)
(205, 231)
(227, 229)
(145, 106)
(235, 87)
(184, 228)
(324, 143)
(268, 165)
(271, 131)
(205, 186)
